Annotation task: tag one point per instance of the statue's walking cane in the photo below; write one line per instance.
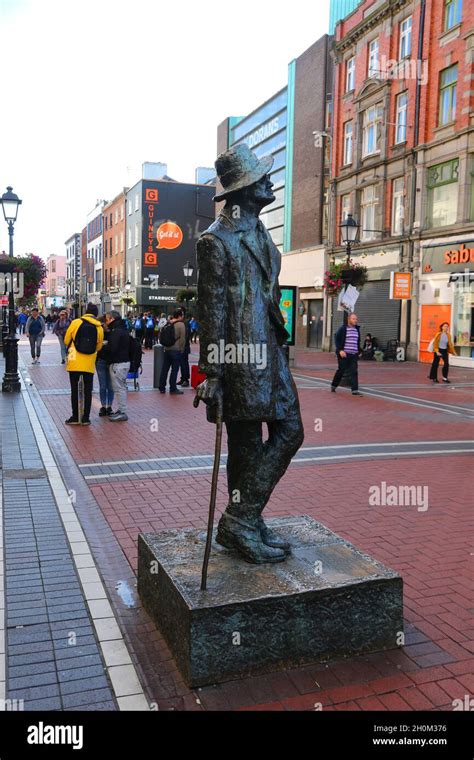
(212, 504)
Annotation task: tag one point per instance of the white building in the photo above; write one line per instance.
(95, 252)
(73, 266)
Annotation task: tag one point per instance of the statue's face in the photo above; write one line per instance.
(263, 191)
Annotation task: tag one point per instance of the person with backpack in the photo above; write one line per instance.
(185, 371)
(35, 330)
(60, 329)
(117, 355)
(106, 391)
(139, 327)
(173, 340)
(149, 330)
(84, 339)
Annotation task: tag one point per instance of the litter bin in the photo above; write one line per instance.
(158, 356)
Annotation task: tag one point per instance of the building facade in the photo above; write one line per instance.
(291, 126)
(114, 238)
(73, 267)
(402, 156)
(55, 282)
(94, 266)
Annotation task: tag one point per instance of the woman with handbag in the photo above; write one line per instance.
(442, 345)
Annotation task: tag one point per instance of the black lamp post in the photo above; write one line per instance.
(11, 380)
(188, 270)
(349, 233)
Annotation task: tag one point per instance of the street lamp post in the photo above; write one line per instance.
(188, 270)
(349, 232)
(11, 379)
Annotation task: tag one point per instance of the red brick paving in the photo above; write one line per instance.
(431, 549)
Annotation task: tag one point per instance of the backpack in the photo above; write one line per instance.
(135, 353)
(167, 336)
(150, 323)
(138, 324)
(86, 338)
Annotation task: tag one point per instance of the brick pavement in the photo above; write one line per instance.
(430, 549)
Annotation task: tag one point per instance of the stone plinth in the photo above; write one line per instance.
(328, 600)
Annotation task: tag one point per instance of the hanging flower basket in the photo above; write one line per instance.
(338, 276)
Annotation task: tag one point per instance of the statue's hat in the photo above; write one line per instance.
(239, 167)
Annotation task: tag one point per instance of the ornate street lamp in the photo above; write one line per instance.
(188, 270)
(11, 380)
(349, 233)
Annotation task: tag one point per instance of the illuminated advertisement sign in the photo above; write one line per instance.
(174, 216)
(287, 308)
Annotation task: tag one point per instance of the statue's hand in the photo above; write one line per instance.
(210, 391)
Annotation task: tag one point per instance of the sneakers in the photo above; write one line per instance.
(38, 361)
(445, 380)
(85, 423)
(110, 411)
(436, 381)
(72, 421)
(33, 361)
(63, 361)
(119, 417)
(333, 390)
(103, 411)
(184, 384)
(356, 393)
(176, 393)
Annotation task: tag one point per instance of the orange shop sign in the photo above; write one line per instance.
(400, 286)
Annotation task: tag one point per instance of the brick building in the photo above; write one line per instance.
(114, 233)
(402, 131)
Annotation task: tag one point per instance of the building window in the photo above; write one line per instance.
(370, 131)
(121, 241)
(106, 223)
(348, 142)
(105, 248)
(130, 209)
(369, 203)
(398, 209)
(129, 237)
(121, 212)
(346, 208)
(350, 74)
(116, 215)
(374, 65)
(443, 193)
(405, 38)
(136, 233)
(447, 95)
(452, 13)
(401, 122)
(110, 247)
(137, 202)
(116, 244)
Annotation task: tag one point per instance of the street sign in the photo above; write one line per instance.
(400, 286)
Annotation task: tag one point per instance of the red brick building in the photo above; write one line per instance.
(403, 147)
(114, 275)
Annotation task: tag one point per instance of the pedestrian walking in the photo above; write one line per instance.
(48, 320)
(117, 355)
(22, 320)
(106, 391)
(347, 352)
(173, 340)
(194, 325)
(60, 329)
(149, 330)
(84, 339)
(35, 331)
(442, 345)
(139, 328)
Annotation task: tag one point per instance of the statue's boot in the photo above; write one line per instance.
(271, 538)
(243, 536)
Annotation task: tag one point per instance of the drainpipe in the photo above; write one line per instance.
(412, 305)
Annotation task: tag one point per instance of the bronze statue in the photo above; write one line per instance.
(241, 337)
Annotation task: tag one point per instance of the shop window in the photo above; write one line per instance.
(443, 193)
(447, 95)
(452, 14)
(405, 38)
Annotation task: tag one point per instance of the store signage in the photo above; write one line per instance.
(169, 235)
(400, 286)
(448, 257)
(262, 133)
(287, 308)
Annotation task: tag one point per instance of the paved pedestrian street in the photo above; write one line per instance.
(73, 634)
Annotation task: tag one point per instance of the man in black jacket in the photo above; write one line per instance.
(347, 352)
(117, 355)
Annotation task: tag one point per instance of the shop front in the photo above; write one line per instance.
(447, 295)
(158, 300)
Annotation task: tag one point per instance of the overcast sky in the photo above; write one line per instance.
(92, 88)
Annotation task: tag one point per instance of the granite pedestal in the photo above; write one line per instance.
(327, 600)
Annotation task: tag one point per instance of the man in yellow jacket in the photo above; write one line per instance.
(83, 339)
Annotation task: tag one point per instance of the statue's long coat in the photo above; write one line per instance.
(238, 297)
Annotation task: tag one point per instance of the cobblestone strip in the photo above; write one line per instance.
(120, 669)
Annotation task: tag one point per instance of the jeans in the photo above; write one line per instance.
(149, 337)
(436, 360)
(349, 364)
(62, 346)
(88, 378)
(171, 359)
(105, 383)
(118, 375)
(185, 374)
(35, 345)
